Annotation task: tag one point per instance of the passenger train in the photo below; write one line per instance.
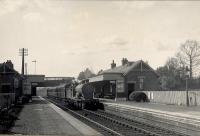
(79, 96)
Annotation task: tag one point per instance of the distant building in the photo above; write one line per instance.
(13, 82)
(119, 82)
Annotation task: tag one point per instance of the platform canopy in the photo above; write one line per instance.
(106, 77)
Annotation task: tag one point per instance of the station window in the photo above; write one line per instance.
(141, 83)
(112, 84)
(111, 89)
(120, 86)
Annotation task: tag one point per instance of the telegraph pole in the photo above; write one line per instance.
(23, 52)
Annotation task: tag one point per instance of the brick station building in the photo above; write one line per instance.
(119, 82)
(10, 84)
(10, 79)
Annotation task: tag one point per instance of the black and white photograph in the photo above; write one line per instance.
(100, 67)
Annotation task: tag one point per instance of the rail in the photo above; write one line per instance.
(179, 126)
(82, 117)
(117, 125)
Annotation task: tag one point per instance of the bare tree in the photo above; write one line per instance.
(189, 55)
(85, 74)
(171, 74)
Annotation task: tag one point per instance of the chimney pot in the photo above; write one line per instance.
(113, 64)
(10, 64)
(124, 61)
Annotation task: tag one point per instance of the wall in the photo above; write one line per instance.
(151, 81)
(35, 78)
(174, 97)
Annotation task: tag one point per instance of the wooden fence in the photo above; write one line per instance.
(174, 97)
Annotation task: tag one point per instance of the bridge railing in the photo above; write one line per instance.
(58, 78)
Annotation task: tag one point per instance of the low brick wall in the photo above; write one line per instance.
(174, 97)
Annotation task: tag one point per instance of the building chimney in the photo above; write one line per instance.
(113, 64)
(124, 61)
(10, 64)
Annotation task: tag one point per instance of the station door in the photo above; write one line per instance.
(131, 88)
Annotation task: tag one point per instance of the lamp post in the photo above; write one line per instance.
(35, 65)
(186, 86)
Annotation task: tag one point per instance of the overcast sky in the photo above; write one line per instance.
(65, 37)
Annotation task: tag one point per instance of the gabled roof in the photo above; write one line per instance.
(125, 69)
(6, 69)
(121, 69)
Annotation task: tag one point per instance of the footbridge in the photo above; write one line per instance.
(31, 82)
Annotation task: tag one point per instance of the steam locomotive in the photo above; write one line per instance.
(79, 96)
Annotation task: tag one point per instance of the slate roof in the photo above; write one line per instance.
(124, 69)
(8, 69)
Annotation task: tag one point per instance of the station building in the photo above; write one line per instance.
(10, 84)
(119, 82)
(10, 79)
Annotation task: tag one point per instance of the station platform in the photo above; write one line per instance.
(186, 118)
(41, 117)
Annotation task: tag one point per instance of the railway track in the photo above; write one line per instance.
(155, 129)
(171, 124)
(110, 124)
